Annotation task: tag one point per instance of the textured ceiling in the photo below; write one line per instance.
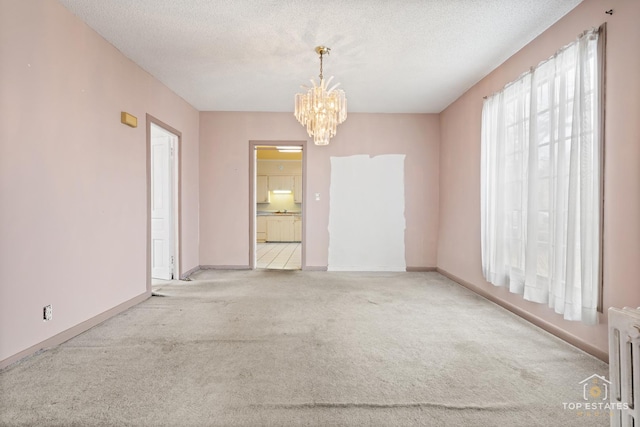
(409, 56)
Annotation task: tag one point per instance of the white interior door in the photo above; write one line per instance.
(162, 248)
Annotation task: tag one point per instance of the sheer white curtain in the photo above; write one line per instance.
(540, 186)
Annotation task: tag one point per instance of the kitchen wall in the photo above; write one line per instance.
(279, 167)
(459, 230)
(224, 177)
(279, 202)
(73, 179)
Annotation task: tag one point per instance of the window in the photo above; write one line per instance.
(541, 182)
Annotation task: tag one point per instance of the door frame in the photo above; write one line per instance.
(252, 197)
(176, 197)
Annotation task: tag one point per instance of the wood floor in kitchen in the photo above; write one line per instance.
(279, 256)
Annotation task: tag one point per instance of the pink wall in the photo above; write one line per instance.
(224, 178)
(73, 221)
(459, 232)
(73, 179)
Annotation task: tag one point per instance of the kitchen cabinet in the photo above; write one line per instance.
(262, 189)
(280, 182)
(297, 189)
(297, 229)
(261, 229)
(280, 228)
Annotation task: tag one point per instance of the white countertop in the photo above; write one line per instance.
(268, 213)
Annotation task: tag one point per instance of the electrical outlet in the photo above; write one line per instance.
(47, 312)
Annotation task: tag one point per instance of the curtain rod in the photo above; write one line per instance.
(532, 68)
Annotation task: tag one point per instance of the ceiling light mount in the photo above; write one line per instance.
(321, 110)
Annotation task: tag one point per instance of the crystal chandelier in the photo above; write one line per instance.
(321, 110)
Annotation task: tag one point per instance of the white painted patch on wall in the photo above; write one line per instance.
(366, 213)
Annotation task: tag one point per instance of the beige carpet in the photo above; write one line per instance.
(292, 348)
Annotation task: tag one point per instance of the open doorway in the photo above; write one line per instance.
(277, 205)
(163, 200)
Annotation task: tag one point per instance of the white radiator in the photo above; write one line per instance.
(624, 366)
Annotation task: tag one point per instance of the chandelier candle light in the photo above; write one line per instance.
(321, 110)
